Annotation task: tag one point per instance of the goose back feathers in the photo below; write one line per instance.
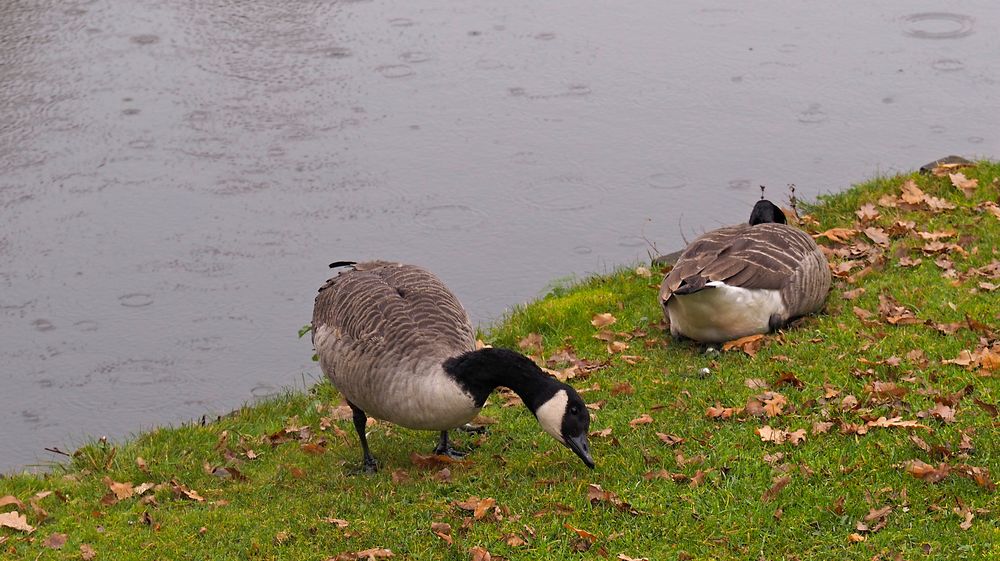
(744, 279)
(382, 331)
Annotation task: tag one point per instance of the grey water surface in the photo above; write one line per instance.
(176, 174)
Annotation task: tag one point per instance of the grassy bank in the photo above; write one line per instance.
(867, 432)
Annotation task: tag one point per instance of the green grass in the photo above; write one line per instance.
(277, 505)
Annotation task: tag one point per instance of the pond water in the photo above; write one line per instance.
(175, 176)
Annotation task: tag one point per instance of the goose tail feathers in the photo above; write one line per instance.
(336, 264)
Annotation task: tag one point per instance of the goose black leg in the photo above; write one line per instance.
(444, 448)
(369, 465)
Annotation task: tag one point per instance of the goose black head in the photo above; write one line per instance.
(765, 211)
(566, 418)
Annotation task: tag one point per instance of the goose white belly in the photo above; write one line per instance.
(723, 312)
(429, 400)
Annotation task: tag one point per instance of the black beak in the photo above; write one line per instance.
(580, 447)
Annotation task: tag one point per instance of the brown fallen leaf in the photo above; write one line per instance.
(820, 427)
(596, 495)
(877, 235)
(719, 412)
(965, 185)
(852, 294)
(87, 552)
(11, 500)
(480, 554)
(622, 388)
(580, 532)
(182, 490)
(603, 320)
(55, 541)
(749, 344)
(478, 507)
(122, 491)
(772, 493)
(532, 344)
(338, 522)
(374, 553)
(643, 419)
(15, 521)
(855, 538)
(867, 213)
(910, 193)
(669, 439)
(443, 531)
(896, 422)
(838, 235)
(925, 471)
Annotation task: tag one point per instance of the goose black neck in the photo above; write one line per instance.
(764, 212)
(480, 372)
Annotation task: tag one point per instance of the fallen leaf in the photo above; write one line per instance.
(877, 235)
(478, 507)
(615, 347)
(772, 493)
(867, 213)
(965, 185)
(480, 554)
(87, 552)
(122, 491)
(855, 538)
(15, 521)
(373, 553)
(852, 294)
(55, 541)
(603, 320)
(622, 388)
(719, 412)
(11, 500)
(839, 235)
(911, 194)
(597, 495)
(669, 439)
(643, 419)
(749, 344)
(338, 522)
(532, 344)
(895, 422)
(580, 532)
(820, 427)
(925, 471)
(443, 531)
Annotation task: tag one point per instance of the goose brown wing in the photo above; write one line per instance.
(377, 306)
(753, 257)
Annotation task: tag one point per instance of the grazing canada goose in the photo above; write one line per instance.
(745, 279)
(399, 346)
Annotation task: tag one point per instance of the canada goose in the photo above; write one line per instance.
(745, 279)
(399, 346)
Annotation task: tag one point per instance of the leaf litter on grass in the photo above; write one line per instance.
(885, 366)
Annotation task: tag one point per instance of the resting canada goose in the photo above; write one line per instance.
(399, 346)
(745, 279)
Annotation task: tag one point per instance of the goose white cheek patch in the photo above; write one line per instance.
(550, 414)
